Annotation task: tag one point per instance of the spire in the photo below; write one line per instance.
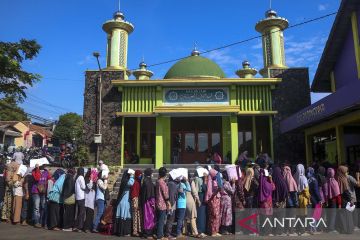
(142, 73)
(246, 71)
(195, 52)
(271, 29)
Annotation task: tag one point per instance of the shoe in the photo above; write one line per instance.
(67, 229)
(253, 234)
(282, 235)
(356, 229)
(305, 235)
(333, 232)
(270, 235)
(37, 225)
(56, 229)
(24, 223)
(95, 231)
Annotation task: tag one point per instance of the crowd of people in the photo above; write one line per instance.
(200, 204)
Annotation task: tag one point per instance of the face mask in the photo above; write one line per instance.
(140, 178)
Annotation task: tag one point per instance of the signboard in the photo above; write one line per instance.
(196, 96)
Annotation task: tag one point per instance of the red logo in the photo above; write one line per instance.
(252, 218)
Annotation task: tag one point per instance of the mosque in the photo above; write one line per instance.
(195, 109)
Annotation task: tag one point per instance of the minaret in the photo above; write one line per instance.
(142, 73)
(247, 71)
(271, 29)
(117, 31)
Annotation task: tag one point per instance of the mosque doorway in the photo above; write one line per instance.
(194, 138)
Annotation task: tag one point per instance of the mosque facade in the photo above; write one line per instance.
(194, 110)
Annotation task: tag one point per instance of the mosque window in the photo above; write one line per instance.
(263, 135)
(147, 137)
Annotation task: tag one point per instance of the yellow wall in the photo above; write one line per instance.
(21, 127)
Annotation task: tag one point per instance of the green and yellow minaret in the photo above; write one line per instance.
(271, 29)
(118, 31)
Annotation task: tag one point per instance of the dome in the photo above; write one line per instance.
(195, 66)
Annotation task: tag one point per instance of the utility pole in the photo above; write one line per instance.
(98, 136)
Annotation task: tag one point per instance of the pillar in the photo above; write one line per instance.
(234, 138)
(254, 136)
(167, 139)
(226, 135)
(122, 142)
(159, 143)
(340, 146)
(309, 149)
(138, 136)
(271, 138)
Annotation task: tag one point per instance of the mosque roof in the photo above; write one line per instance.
(195, 66)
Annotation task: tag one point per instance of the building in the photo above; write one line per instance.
(23, 134)
(332, 125)
(195, 109)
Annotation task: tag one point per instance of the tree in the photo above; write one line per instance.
(9, 110)
(69, 128)
(13, 79)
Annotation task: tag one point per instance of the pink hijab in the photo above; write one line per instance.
(290, 181)
(331, 187)
(211, 184)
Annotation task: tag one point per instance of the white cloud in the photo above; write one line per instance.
(323, 7)
(85, 60)
(258, 45)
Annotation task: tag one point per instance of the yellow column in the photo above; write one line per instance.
(234, 138)
(271, 137)
(138, 127)
(122, 142)
(308, 148)
(355, 30)
(254, 136)
(340, 145)
(159, 141)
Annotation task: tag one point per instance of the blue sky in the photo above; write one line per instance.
(70, 30)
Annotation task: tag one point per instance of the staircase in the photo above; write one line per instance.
(142, 167)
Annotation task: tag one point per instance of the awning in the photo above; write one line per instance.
(342, 101)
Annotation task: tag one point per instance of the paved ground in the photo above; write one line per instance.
(8, 232)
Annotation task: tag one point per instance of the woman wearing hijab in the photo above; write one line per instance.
(122, 226)
(68, 195)
(135, 207)
(332, 197)
(345, 223)
(266, 188)
(292, 200)
(90, 192)
(55, 202)
(101, 186)
(303, 192)
(18, 193)
(173, 186)
(184, 187)
(251, 188)
(148, 204)
(212, 198)
(192, 199)
(226, 211)
(200, 184)
(321, 178)
(315, 197)
(80, 188)
(279, 196)
(238, 197)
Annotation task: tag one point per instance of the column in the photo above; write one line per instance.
(167, 139)
(309, 149)
(226, 135)
(122, 142)
(340, 146)
(271, 138)
(138, 128)
(159, 141)
(254, 136)
(234, 138)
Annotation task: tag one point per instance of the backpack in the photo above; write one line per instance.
(42, 184)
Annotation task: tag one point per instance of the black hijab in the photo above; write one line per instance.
(124, 180)
(80, 172)
(69, 186)
(320, 175)
(148, 187)
(281, 191)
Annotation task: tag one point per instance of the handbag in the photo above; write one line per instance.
(70, 200)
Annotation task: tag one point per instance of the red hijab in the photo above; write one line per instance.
(135, 189)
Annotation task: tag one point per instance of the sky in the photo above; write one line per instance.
(69, 31)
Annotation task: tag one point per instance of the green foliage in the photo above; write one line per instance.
(81, 154)
(69, 128)
(9, 110)
(13, 79)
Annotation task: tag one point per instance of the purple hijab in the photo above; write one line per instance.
(281, 192)
(265, 187)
